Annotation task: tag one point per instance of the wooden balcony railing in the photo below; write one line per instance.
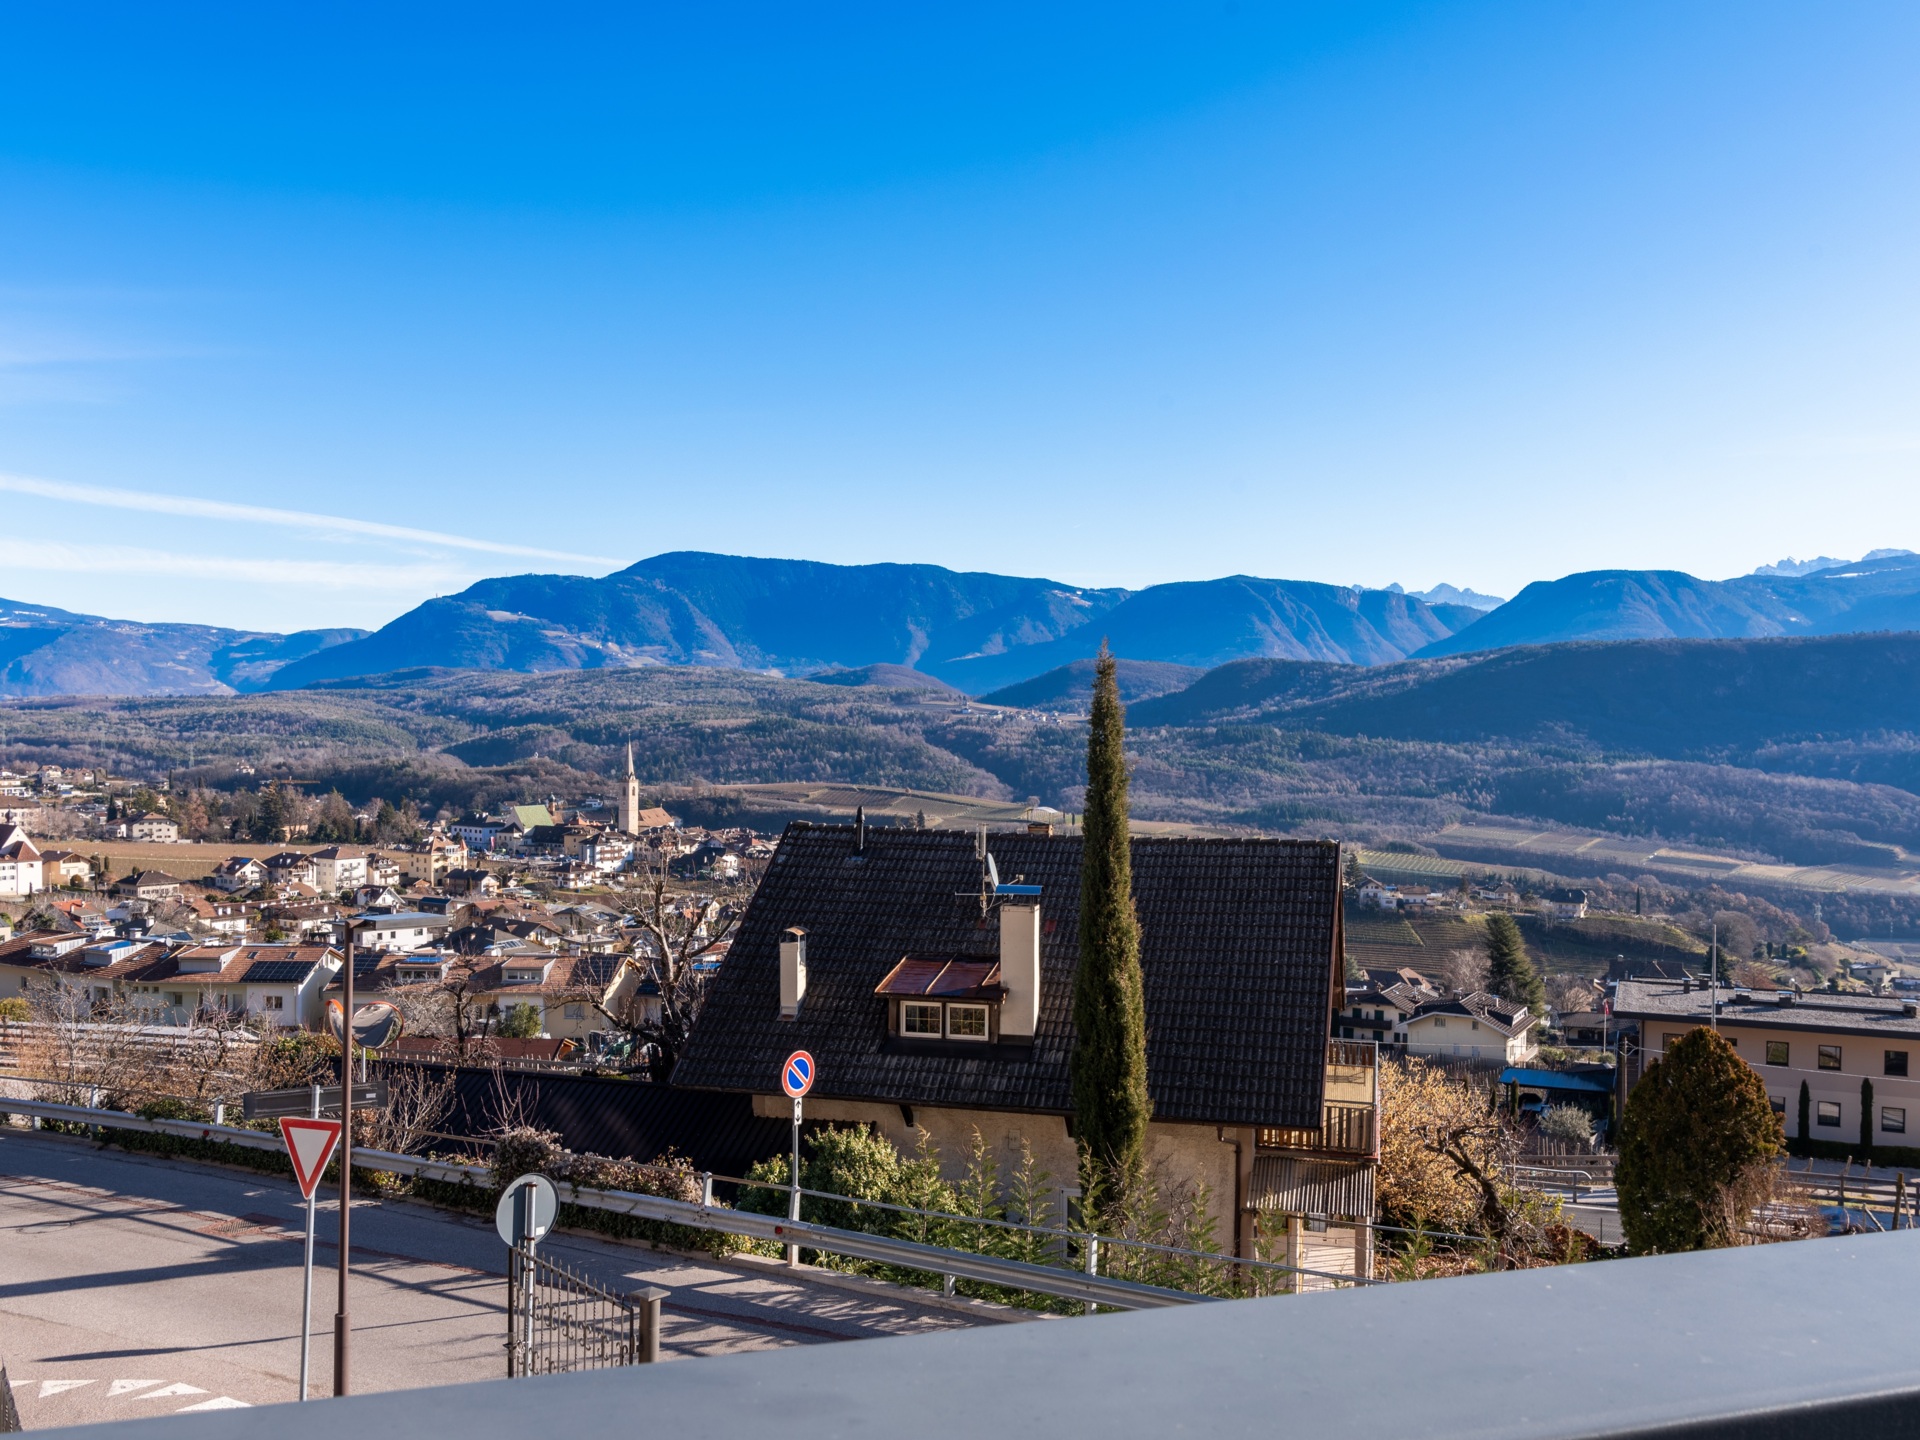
(1352, 1052)
(1344, 1129)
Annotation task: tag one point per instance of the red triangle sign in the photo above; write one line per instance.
(310, 1144)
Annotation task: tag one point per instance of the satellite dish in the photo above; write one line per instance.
(375, 1026)
(993, 873)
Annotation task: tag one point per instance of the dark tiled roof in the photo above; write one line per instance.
(1238, 944)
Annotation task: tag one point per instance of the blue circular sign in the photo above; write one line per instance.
(796, 1076)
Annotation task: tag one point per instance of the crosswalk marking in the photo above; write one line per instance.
(60, 1387)
(219, 1402)
(121, 1387)
(179, 1387)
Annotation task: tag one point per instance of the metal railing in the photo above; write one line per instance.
(1089, 1244)
(558, 1321)
(1090, 1289)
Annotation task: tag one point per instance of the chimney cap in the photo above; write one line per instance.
(794, 931)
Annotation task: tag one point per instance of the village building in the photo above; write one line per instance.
(336, 868)
(153, 830)
(1829, 1043)
(1478, 1027)
(934, 1001)
(406, 930)
(92, 966)
(280, 985)
(237, 873)
(149, 885)
(22, 870)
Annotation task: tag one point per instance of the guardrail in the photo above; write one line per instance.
(1011, 1274)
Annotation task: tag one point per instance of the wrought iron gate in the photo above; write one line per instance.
(558, 1320)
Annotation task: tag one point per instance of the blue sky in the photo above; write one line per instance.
(307, 316)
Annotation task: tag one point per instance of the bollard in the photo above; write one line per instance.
(650, 1324)
(706, 1189)
(1093, 1265)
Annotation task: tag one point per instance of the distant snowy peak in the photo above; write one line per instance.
(1791, 566)
(1452, 595)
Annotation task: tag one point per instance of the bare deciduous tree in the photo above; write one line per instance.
(673, 936)
(1463, 971)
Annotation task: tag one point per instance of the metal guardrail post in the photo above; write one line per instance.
(1092, 1253)
(649, 1313)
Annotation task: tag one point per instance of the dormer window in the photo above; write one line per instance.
(966, 1022)
(940, 999)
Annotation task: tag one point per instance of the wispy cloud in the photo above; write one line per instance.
(327, 574)
(199, 509)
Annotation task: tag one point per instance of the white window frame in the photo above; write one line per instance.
(1899, 1117)
(986, 1022)
(1820, 1110)
(907, 1009)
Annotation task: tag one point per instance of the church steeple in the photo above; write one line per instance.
(630, 798)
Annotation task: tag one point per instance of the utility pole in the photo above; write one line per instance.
(346, 1163)
(1713, 995)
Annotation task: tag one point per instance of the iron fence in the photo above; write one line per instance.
(559, 1321)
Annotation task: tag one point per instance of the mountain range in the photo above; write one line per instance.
(975, 632)
(44, 651)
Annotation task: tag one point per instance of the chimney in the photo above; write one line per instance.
(1020, 969)
(793, 971)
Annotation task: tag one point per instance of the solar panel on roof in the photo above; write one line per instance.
(277, 972)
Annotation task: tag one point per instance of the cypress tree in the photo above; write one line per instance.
(1510, 974)
(1866, 1121)
(1806, 1117)
(1110, 1105)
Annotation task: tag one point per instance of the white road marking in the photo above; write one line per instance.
(60, 1387)
(219, 1402)
(121, 1387)
(179, 1387)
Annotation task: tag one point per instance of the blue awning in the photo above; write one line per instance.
(1556, 1080)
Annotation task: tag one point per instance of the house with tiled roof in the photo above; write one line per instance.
(282, 985)
(148, 885)
(1477, 1026)
(73, 959)
(562, 988)
(21, 870)
(236, 873)
(933, 1001)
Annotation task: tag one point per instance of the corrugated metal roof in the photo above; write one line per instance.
(1291, 1185)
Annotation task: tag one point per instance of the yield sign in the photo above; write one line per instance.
(309, 1143)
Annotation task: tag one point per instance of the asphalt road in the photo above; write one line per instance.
(131, 1285)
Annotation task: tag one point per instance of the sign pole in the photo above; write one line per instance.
(793, 1195)
(346, 1165)
(796, 1078)
(306, 1287)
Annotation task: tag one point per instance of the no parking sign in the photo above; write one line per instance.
(796, 1076)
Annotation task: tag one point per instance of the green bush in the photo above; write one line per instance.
(521, 1022)
(1695, 1127)
(526, 1151)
